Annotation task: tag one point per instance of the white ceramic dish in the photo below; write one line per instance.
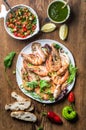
(5, 15)
(68, 7)
(19, 66)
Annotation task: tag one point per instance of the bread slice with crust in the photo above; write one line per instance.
(17, 97)
(25, 116)
(21, 105)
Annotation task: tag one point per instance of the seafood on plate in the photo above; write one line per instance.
(46, 70)
(38, 55)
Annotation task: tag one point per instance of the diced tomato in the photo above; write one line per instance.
(24, 29)
(15, 20)
(32, 16)
(7, 23)
(27, 33)
(24, 25)
(33, 27)
(11, 25)
(23, 36)
(19, 23)
(16, 34)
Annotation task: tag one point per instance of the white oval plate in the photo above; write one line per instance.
(19, 65)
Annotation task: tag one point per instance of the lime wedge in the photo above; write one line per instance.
(63, 32)
(48, 27)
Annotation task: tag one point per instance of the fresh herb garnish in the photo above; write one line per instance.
(30, 64)
(32, 84)
(35, 21)
(51, 98)
(48, 92)
(56, 46)
(8, 59)
(24, 19)
(44, 113)
(43, 84)
(72, 71)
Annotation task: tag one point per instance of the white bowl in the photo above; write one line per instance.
(32, 11)
(68, 7)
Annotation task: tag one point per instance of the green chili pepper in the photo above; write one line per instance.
(68, 113)
(8, 59)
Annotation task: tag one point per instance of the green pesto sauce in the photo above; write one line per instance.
(56, 12)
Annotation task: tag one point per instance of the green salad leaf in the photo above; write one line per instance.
(43, 84)
(32, 84)
(72, 71)
(8, 59)
(56, 46)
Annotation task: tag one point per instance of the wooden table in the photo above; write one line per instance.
(76, 42)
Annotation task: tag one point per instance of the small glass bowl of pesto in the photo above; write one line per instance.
(56, 11)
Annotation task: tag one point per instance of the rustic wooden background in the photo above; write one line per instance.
(76, 42)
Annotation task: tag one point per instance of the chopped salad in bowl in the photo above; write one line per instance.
(21, 22)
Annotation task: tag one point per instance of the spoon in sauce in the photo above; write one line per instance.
(65, 4)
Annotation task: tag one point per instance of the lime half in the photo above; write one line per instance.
(48, 27)
(63, 32)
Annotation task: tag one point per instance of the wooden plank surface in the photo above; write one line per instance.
(76, 42)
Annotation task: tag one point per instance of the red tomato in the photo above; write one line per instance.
(71, 97)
